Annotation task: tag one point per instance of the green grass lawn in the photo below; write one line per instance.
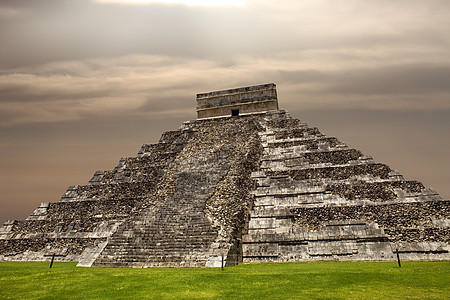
(317, 280)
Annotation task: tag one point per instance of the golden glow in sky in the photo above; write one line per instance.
(182, 2)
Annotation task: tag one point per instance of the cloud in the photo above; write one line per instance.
(384, 80)
(150, 85)
(66, 60)
(178, 2)
(162, 85)
(71, 30)
(393, 80)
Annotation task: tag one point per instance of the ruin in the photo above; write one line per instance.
(244, 182)
(235, 102)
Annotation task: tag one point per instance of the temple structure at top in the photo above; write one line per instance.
(235, 102)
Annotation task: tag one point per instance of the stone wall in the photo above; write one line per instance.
(248, 100)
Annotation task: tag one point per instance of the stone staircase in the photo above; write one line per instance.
(174, 232)
(160, 238)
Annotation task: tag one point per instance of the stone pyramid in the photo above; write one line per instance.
(244, 182)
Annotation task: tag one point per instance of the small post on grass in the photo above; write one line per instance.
(222, 262)
(53, 258)
(398, 258)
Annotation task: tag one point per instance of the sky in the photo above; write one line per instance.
(86, 82)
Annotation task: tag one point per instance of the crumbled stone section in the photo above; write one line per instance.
(229, 207)
(199, 211)
(317, 199)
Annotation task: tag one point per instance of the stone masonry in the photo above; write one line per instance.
(235, 102)
(254, 185)
(317, 199)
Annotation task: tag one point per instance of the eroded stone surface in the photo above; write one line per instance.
(235, 102)
(317, 199)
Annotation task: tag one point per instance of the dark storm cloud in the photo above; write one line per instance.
(162, 105)
(386, 80)
(146, 85)
(391, 80)
(22, 93)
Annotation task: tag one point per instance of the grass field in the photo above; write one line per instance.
(318, 280)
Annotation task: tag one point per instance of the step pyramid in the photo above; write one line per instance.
(244, 182)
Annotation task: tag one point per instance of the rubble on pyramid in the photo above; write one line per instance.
(244, 182)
